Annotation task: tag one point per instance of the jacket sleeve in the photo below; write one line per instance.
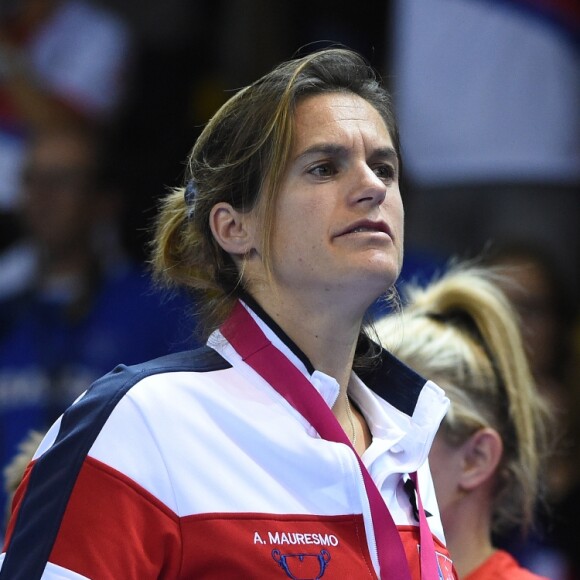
(111, 528)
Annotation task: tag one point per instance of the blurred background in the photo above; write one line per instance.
(167, 67)
(101, 100)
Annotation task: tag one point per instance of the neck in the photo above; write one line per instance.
(468, 533)
(328, 339)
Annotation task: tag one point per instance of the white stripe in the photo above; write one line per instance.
(54, 572)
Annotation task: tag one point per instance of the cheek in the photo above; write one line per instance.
(396, 219)
(299, 222)
(442, 461)
(401, 226)
(399, 214)
(393, 208)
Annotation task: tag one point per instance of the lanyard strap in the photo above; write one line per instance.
(429, 566)
(244, 334)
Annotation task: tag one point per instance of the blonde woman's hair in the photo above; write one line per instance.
(14, 471)
(462, 332)
(240, 158)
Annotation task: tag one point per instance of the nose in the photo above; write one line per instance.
(368, 187)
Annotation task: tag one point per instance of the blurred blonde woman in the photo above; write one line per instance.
(461, 332)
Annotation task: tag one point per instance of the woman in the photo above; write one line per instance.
(462, 332)
(243, 459)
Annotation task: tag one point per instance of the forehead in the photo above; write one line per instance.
(337, 114)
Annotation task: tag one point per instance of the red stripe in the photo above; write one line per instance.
(16, 502)
(113, 528)
(251, 545)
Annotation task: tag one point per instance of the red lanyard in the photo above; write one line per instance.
(244, 334)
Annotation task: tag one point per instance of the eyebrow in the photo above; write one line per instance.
(334, 150)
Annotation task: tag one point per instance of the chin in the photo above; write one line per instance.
(388, 273)
(379, 283)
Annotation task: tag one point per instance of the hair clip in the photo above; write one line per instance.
(189, 196)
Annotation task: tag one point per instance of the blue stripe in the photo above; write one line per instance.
(394, 381)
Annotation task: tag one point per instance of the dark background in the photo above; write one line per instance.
(191, 56)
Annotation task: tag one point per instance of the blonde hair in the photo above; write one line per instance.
(241, 158)
(15, 469)
(462, 332)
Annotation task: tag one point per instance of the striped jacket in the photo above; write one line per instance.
(192, 466)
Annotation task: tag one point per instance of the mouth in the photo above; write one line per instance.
(367, 226)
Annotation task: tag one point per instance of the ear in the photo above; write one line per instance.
(233, 230)
(481, 455)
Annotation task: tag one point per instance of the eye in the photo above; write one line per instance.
(386, 172)
(323, 170)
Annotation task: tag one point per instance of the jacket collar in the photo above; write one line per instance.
(384, 374)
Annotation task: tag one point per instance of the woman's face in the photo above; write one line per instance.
(338, 226)
(446, 465)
